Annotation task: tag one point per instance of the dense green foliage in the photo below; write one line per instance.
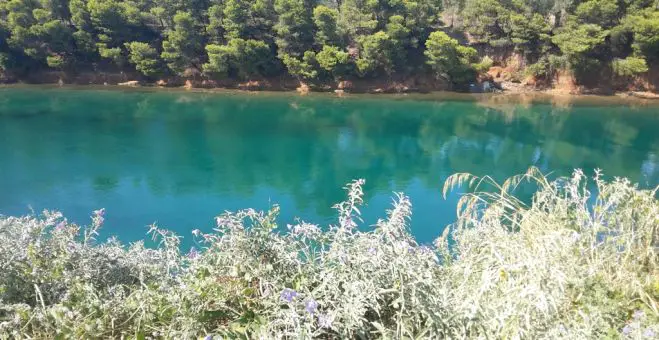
(566, 266)
(318, 41)
(448, 58)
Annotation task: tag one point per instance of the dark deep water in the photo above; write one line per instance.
(179, 159)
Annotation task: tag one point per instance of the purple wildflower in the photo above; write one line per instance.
(576, 237)
(372, 251)
(649, 333)
(627, 330)
(208, 337)
(98, 216)
(193, 253)
(325, 321)
(310, 306)
(638, 314)
(288, 294)
(60, 226)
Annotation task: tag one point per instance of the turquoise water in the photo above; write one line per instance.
(179, 159)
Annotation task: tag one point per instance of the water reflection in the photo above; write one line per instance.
(177, 157)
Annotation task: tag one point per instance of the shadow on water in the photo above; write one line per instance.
(181, 158)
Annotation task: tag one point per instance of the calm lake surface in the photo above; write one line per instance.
(180, 159)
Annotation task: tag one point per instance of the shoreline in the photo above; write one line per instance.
(411, 84)
(503, 98)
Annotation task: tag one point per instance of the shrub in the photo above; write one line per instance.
(565, 265)
(56, 61)
(145, 58)
(539, 69)
(448, 59)
(484, 65)
(557, 62)
(629, 66)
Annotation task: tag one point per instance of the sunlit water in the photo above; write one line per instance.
(180, 159)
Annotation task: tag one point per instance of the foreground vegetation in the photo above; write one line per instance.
(321, 41)
(571, 264)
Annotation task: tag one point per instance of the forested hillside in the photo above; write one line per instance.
(320, 42)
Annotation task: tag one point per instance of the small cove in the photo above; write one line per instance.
(180, 158)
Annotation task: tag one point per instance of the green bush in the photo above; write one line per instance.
(629, 66)
(539, 70)
(570, 264)
(449, 60)
(484, 65)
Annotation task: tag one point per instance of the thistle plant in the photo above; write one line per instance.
(577, 261)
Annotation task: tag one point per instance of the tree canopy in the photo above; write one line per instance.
(329, 40)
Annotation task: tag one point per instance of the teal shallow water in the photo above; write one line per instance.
(179, 159)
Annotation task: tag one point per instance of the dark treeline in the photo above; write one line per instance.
(325, 41)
